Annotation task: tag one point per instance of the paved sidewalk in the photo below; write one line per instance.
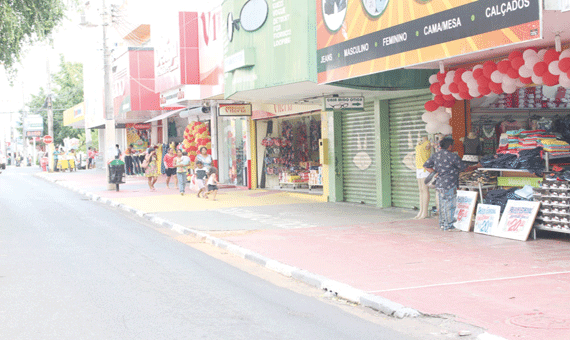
(378, 257)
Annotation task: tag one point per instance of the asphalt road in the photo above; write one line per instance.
(75, 269)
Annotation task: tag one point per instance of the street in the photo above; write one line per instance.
(75, 269)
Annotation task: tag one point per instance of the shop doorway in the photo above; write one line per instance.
(232, 152)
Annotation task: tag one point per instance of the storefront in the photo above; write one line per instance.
(288, 147)
(233, 144)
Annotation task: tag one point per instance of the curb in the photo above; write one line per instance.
(336, 288)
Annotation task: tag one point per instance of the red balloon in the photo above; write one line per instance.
(463, 87)
(483, 81)
(488, 68)
(484, 90)
(564, 64)
(477, 73)
(517, 62)
(465, 95)
(449, 103)
(431, 106)
(515, 54)
(448, 97)
(550, 79)
(441, 77)
(512, 73)
(526, 80)
(439, 99)
(435, 88)
(453, 88)
(540, 68)
(550, 56)
(496, 87)
(503, 66)
(458, 73)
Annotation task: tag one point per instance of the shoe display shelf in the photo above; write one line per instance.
(554, 212)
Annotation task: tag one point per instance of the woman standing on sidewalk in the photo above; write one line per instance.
(129, 160)
(152, 171)
(170, 168)
(182, 162)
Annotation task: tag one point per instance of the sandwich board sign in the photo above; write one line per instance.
(487, 219)
(465, 207)
(517, 219)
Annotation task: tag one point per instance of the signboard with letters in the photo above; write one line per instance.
(235, 110)
(356, 38)
(517, 219)
(487, 219)
(344, 103)
(466, 201)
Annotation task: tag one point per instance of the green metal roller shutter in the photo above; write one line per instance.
(405, 122)
(358, 156)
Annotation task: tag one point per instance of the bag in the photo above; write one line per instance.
(145, 163)
(431, 179)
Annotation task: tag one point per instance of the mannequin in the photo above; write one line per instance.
(423, 152)
(472, 148)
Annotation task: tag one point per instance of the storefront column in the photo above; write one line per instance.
(382, 140)
(214, 132)
(154, 132)
(335, 156)
(252, 155)
(165, 131)
(323, 154)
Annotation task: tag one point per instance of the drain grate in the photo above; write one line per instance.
(541, 321)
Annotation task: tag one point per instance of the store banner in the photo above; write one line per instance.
(357, 38)
(73, 115)
(235, 110)
(261, 111)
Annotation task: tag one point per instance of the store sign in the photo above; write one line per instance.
(487, 219)
(344, 103)
(48, 139)
(74, 114)
(376, 36)
(261, 111)
(235, 110)
(142, 126)
(34, 133)
(517, 220)
(466, 202)
(243, 58)
(177, 96)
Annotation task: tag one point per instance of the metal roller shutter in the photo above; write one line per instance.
(358, 156)
(405, 125)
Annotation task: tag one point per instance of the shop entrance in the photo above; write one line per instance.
(232, 151)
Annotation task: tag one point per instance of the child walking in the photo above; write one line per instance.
(201, 176)
(212, 183)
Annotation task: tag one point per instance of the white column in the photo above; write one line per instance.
(154, 133)
(165, 131)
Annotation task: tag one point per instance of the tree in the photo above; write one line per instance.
(25, 22)
(67, 92)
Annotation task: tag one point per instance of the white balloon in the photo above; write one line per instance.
(519, 83)
(553, 68)
(508, 80)
(565, 54)
(525, 71)
(425, 117)
(474, 93)
(529, 53)
(564, 77)
(433, 79)
(467, 76)
(457, 96)
(446, 129)
(477, 66)
(536, 79)
(442, 117)
(541, 54)
(445, 89)
(497, 76)
(432, 128)
(472, 84)
(565, 84)
(449, 77)
(509, 88)
(531, 61)
(429, 117)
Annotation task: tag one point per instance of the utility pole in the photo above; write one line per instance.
(110, 134)
(50, 147)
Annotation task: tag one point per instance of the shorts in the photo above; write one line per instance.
(200, 183)
(212, 187)
(170, 172)
(422, 173)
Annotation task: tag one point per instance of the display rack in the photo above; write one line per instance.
(295, 185)
(554, 213)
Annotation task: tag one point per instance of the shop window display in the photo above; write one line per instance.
(291, 158)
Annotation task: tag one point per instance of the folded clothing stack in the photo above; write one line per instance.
(556, 147)
(499, 197)
(518, 140)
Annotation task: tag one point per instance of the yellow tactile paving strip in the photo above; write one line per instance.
(228, 199)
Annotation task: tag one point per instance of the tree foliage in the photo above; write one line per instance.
(24, 22)
(67, 92)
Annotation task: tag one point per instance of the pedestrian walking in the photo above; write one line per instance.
(129, 160)
(201, 176)
(152, 170)
(171, 170)
(204, 157)
(136, 162)
(447, 165)
(118, 152)
(182, 163)
(212, 183)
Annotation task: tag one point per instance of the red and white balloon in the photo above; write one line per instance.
(547, 67)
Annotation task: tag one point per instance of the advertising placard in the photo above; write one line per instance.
(487, 219)
(356, 38)
(466, 202)
(517, 219)
(344, 103)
